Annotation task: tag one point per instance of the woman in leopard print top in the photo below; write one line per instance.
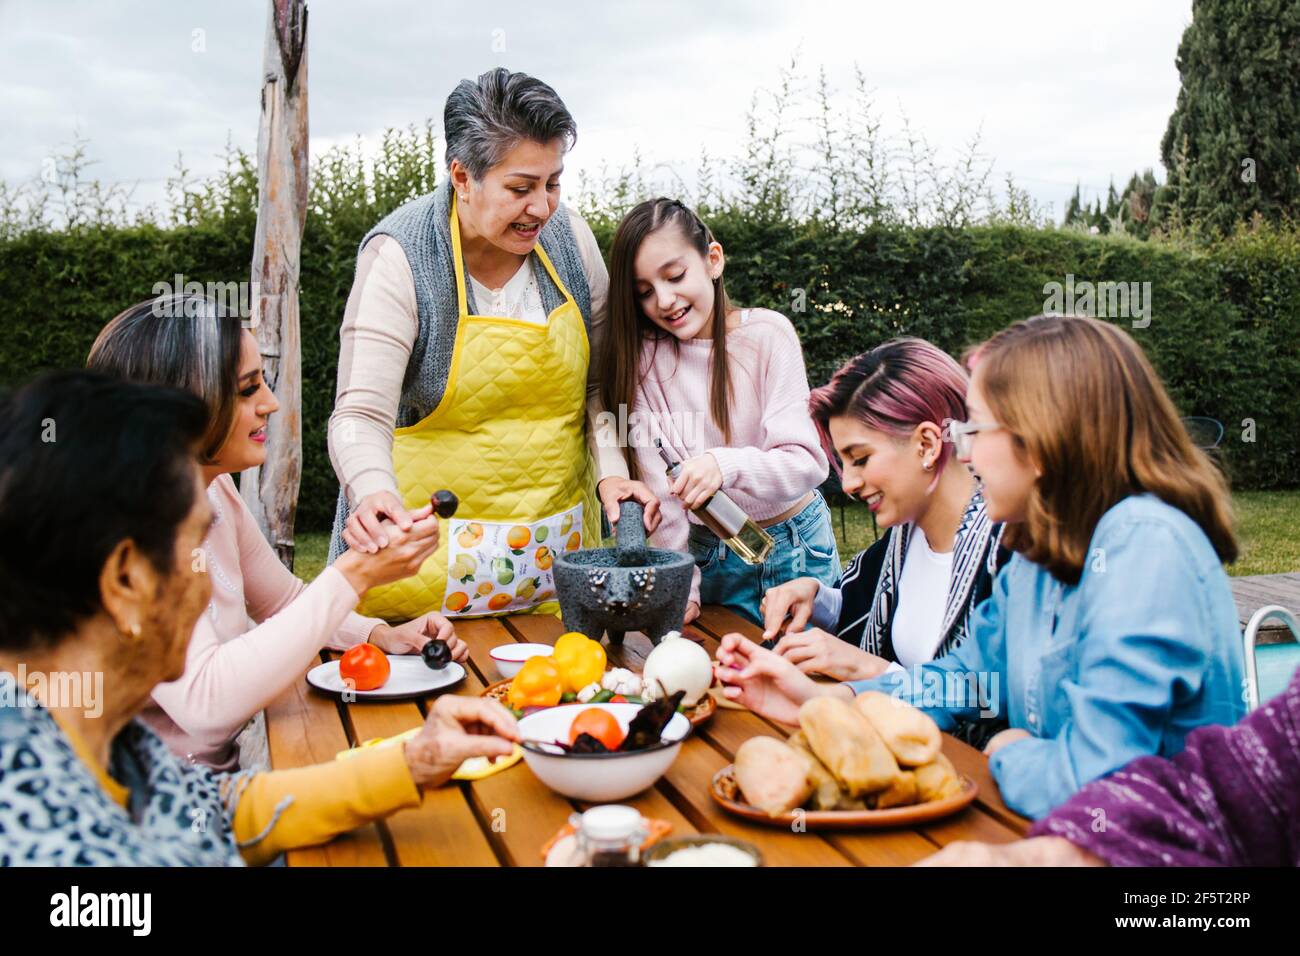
(101, 510)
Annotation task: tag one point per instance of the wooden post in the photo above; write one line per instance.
(271, 490)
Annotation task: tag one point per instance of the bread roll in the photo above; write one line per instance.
(826, 792)
(937, 780)
(772, 775)
(911, 736)
(901, 793)
(847, 744)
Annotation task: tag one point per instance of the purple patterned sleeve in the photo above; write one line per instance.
(1230, 798)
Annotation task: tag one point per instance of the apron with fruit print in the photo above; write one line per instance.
(509, 439)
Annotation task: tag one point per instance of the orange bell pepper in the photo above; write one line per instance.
(538, 684)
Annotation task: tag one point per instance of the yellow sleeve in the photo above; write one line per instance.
(283, 809)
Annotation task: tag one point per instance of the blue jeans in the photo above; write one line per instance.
(802, 546)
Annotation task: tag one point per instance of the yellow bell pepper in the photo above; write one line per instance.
(538, 684)
(580, 659)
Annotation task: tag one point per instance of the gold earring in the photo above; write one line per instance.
(135, 630)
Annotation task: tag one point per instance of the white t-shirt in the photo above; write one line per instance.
(922, 597)
(520, 298)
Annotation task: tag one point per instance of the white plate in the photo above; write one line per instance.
(410, 677)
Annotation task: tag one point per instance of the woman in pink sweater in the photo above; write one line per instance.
(726, 393)
(263, 626)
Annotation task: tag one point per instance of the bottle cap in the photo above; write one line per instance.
(613, 821)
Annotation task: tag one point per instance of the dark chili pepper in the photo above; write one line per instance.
(436, 654)
(647, 727)
(587, 744)
(444, 503)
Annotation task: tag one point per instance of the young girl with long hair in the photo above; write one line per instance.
(725, 391)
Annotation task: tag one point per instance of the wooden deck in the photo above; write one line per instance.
(1260, 590)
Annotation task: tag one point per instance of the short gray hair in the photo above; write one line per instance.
(485, 119)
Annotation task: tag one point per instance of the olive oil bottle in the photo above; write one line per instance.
(725, 518)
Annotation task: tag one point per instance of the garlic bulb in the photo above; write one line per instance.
(678, 663)
(620, 680)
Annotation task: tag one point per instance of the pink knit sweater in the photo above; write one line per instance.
(235, 666)
(774, 457)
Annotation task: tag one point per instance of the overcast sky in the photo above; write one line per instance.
(1065, 91)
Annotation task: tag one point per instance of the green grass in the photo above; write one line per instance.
(311, 548)
(1268, 531)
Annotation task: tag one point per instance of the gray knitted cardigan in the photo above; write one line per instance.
(422, 227)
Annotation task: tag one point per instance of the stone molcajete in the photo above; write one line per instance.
(631, 587)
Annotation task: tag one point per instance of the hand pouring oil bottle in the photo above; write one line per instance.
(725, 518)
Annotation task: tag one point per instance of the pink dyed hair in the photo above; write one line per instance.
(893, 388)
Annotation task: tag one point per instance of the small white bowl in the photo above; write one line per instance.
(598, 778)
(509, 658)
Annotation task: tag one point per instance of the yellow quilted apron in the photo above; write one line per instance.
(509, 438)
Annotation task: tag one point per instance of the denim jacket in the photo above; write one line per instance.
(1146, 647)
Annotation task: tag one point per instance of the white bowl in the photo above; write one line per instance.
(599, 778)
(509, 658)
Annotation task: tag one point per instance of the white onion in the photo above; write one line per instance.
(678, 663)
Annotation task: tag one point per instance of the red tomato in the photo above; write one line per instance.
(600, 724)
(618, 699)
(365, 666)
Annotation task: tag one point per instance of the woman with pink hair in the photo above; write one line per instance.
(909, 597)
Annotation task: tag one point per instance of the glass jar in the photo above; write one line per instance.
(609, 835)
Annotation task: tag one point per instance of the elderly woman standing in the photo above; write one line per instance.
(465, 364)
(99, 595)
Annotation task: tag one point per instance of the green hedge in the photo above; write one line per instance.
(1224, 331)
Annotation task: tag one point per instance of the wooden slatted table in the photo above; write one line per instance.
(504, 819)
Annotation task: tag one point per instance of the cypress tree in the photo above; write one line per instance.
(1232, 146)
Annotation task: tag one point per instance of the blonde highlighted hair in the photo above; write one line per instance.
(1086, 407)
(185, 341)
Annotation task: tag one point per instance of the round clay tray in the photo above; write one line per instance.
(724, 790)
(497, 691)
(701, 711)
(696, 715)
